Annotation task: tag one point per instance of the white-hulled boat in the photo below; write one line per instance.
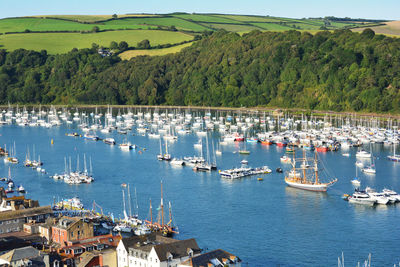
(307, 178)
(380, 198)
(361, 197)
(363, 154)
(109, 141)
(393, 195)
(126, 146)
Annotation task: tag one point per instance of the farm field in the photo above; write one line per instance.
(153, 52)
(272, 26)
(180, 24)
(36, 24)
(57, 43)
(391, 28)
(250, 18)
(233, 27)
(39, 32)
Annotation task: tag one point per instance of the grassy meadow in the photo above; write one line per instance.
(133, 28)
(57, 43)
(153, 52)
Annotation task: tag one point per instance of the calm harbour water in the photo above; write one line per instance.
(264, 223)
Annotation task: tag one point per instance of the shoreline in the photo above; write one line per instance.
(281, 111)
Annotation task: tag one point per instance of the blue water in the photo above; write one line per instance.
(264, 223)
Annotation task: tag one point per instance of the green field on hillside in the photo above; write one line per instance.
(250, 18)
(92, 18)
(36, 24)
(153, 52)
(143, 22)
(272, 26)
(232, 27)
(205, 18)
(56, 43)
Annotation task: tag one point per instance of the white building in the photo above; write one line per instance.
(215, 258)
(155, 251)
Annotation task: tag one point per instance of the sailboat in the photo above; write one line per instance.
(167, 229)
(371, 168)
(308, 178)
(356, 181)
(165, 156)
(394, 157)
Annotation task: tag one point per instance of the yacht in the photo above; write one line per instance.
(363, 154)
(109, 141)
(391, 194)
(361, 197)
(125, 146)
(380, 198)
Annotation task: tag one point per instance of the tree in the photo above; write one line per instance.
(114, 16)
(123, 45)
(95, 29)
(173, 28)
(145, 44)
(113, 45)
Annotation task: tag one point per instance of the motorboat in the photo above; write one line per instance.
(379, 197)
(356, 182)
(285, 159)
(109, 141)
(363, 154)
(361, 197)
(21, 189)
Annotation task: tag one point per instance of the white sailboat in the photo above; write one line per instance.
(371, 168)
(394, 157)
(356, 181)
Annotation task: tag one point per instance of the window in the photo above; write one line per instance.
(79, 233)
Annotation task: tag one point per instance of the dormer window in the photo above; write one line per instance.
(190, 252)
(169, 256)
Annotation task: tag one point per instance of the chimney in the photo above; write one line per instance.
(101, 259)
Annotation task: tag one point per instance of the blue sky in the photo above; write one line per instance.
(374, 9)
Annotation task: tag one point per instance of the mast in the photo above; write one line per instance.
(151, 213)
(170, 212)
(162, 206)
(90, 165)
(84, 163)
(65, 165)
(137, 206)
(123, 200)
(304, 163)
(129, 202)
(77, 163)
(316, 169)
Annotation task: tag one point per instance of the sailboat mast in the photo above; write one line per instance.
(137, 206)
(304, 163)
(123, 201)
(162, 206)
(170, 212)
(316, 169)
(129, 203)
(151, 213)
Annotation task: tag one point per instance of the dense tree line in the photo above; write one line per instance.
(338, 70)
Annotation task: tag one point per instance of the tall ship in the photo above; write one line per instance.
(304, 175)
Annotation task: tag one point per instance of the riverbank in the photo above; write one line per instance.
(275, 110)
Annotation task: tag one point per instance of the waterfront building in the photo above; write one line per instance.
(154, 251)
(14, 220)
(215, 258)
(71, 229)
